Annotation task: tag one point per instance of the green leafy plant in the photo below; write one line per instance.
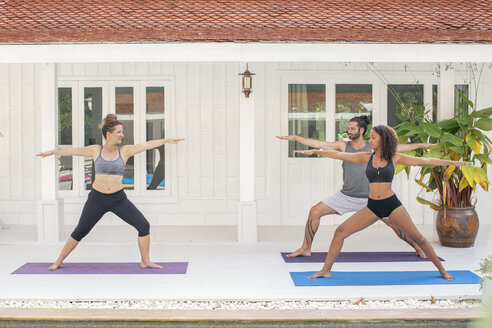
(459, 138)
(485, 269)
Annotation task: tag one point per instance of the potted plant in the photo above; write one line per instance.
(459, 138)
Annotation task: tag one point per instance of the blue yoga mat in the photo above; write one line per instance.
(380, 278)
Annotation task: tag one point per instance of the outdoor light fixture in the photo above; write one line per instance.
(247, 82)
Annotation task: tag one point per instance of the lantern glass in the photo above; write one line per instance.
(247, 81)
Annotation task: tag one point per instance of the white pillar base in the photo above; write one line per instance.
(246, 226)
(50, 220)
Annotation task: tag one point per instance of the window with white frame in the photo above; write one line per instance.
(308, 113)
(143, 108)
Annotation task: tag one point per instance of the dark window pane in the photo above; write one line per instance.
(460, 103)
(403, 97)
(65, 163)
(351, 100)
(124, 110)
(154, 117)
(307, 114)
(92, 134)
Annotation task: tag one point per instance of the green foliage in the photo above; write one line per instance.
(65, 119)
(459, 138)
(485, 269)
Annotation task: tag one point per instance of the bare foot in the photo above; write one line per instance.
(420, 253)
(150, 265)
(300, 252)
(323, 274)
(447, 276)
(55, 266)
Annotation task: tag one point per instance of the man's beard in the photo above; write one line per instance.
(354, 136)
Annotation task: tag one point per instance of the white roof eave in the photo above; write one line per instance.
(244, 52)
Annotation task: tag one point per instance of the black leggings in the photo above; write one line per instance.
(99, 204)
(383, 207)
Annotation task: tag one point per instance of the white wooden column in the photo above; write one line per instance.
(445, 102)
(246, 227)
(50, 208)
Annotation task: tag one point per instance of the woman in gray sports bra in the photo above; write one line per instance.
(382, 200)
(107, 193)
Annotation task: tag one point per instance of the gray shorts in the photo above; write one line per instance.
(344, 204)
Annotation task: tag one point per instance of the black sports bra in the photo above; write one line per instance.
(380, 174)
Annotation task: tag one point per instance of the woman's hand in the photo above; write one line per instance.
(292, 137)
(304, 152)
(45, 154)
(173, 141)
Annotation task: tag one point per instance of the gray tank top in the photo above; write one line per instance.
(116, 167)
(355, 183)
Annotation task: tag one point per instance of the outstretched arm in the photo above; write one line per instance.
(337, 145)
(88, 151)
(131, 150)
(412, 146)
(362, 157)
(415, 161)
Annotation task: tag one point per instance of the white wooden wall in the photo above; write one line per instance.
(206, 111)
(19, 112)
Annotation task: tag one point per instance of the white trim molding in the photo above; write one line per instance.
(244, 52)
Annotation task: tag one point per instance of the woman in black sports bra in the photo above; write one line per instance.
(382, 200)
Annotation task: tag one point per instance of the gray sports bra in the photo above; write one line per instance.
(116, 167)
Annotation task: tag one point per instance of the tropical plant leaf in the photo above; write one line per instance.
(458, 150)
(463, 184)
(483, 158)
(423, 185)
(469, 173)
(480, 177)
(426, 202)
(448, 172)
(465, 98)
(451, 138)
(449, 124)
(399, 168)
(484, 124)
(486, 112)
(444, 192)
(433, 152)
(431, 129)
(474, 144)
(410, 133)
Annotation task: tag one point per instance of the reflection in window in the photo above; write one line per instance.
(307, 114)
(403, 96)
(154, 117)
(92, 134)
(459, 102)
(124, 108)
(65, 163)
(351, 100)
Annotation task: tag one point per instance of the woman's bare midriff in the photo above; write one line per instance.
(107, 184)
(380, 190)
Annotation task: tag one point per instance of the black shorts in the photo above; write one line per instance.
(383, 207)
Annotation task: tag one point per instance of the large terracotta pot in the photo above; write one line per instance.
(457, 227)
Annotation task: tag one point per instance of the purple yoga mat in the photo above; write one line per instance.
(102, 268)
(319, 257)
